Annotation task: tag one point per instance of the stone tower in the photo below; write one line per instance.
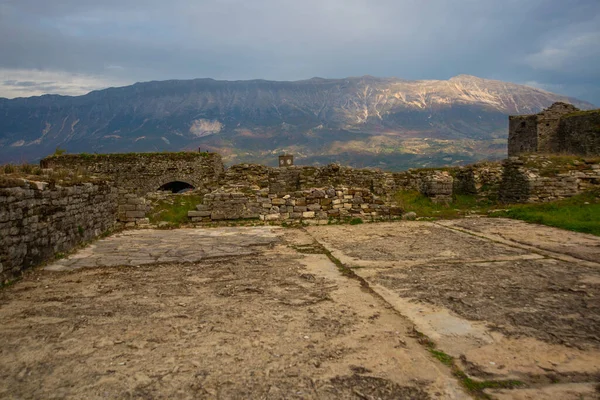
(537, 133)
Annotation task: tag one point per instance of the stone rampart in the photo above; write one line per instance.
(38, 220)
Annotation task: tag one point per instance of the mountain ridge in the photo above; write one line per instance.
(362, 121)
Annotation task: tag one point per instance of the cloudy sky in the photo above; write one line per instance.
(74, 46)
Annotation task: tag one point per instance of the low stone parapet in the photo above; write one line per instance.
(319, 204)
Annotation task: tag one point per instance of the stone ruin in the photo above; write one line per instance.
(560, 129)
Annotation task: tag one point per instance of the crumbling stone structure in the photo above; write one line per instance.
(561, 128)
(537, 178)
(38, 220)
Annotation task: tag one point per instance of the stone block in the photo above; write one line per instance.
(272, 217)
(278, 202)
(199, 213)
(308, 214)
(314, 207)
(136, 201)
(135, 214)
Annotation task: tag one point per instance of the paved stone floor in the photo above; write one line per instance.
(266, 312)
(142, 247)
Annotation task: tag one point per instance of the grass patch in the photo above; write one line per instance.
(424, 207)
(174, 209)
(442, 357)
(572, 214)
(477, 387)
(355, 221)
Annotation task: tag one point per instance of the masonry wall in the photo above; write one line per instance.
(522, 134)
(311, 205)
(137, 174)
(141, 173)
(37, 221)
(536, 179)
(580, 133)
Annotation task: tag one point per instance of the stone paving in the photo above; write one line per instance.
(141, 247)
(505, 299)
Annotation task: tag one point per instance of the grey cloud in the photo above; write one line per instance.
(547, 41)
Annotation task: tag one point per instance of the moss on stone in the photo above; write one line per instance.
(582, 113)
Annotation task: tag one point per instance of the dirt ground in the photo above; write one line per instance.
(327, 312)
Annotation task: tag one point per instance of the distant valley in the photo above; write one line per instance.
(388, 123)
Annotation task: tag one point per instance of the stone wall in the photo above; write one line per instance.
(137, 174)
(522, 134)
(548, 127)
(532, 179)
(38, 221)
(141, 173)
(316, 205)
(437, 184)
(581, 133)
(482, 179)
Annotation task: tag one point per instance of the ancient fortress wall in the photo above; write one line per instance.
(136, 174)
(533, 179)
(140, 173)
(580, 133)
(38, 221)
(522, 137)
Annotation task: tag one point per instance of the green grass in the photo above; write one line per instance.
(442, 357)
(571, 214)
(424, 207)
(175, 209)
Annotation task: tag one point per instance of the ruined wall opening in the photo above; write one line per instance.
(176, 187)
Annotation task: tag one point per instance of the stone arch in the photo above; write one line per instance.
(176, 187)
(166, 180)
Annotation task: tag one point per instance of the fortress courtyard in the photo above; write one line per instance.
(470, 308)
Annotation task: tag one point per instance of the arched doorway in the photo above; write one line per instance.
(176, 187)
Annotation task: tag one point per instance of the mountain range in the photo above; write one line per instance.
(361, 121)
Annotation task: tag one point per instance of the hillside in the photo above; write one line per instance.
(363, 121)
